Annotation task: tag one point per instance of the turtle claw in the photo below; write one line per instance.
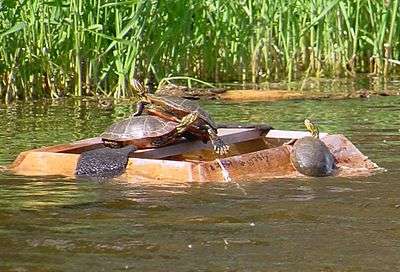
(220, 147)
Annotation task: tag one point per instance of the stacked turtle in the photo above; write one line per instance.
(174, 108)
(167, 120)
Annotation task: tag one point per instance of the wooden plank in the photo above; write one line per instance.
(158, 171)
(74, 147)
(32, 163)
(229, 136)
(290, 134)
(262, 164)
(265, 163)
(260, 95)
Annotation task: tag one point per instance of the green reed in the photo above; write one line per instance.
(56, 48)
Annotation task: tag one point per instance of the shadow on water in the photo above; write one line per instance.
(318, 224)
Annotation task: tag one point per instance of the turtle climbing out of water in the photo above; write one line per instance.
(123, 138)
(310, 156)
(170, 108)
(173, 108)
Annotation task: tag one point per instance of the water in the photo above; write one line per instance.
(327, 224)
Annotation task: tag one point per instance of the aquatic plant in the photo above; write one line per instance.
(56, 48)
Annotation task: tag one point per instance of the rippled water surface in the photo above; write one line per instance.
(321, 224)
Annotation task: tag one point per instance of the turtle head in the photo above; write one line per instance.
(312, 128)
(138, 89)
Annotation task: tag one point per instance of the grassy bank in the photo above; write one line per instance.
(73, 47)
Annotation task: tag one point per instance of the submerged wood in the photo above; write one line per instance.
(223, 94)
(253, 157)
(260, 95)
(275, 95)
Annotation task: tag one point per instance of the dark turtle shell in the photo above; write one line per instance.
(103, 163)
(181, 106)
(310, 156)
(142, 131)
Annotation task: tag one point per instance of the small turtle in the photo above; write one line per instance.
(173, 108)
(146, 131)
(310, 156)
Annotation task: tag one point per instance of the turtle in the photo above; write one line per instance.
(173, 108)
(125, 137)
(146, 131)
(310, 156)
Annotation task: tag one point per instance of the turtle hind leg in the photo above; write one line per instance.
(112, 144)
(139, 109)
(186, 122)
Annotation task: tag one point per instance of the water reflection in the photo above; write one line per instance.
(321, 224)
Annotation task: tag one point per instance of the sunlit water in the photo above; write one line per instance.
(319, 224)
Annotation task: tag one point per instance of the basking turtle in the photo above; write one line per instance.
(173, 108)
(146, 131)
(310, 156)
(124, 137)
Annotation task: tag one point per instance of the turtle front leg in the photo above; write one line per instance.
(220, 147)
(139, 109)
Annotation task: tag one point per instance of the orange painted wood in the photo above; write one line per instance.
(253, 158)
(259, 95)
(34, 163)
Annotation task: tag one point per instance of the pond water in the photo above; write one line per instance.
(319, 224)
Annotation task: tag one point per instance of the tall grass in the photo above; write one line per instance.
(52, 48)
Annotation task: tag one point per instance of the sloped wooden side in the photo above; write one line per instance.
(160, 171)
(275, 163)
(349, 159)
(32, 163)
(259, 95)
(262, 164)
(345, 152)
(267, 163)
